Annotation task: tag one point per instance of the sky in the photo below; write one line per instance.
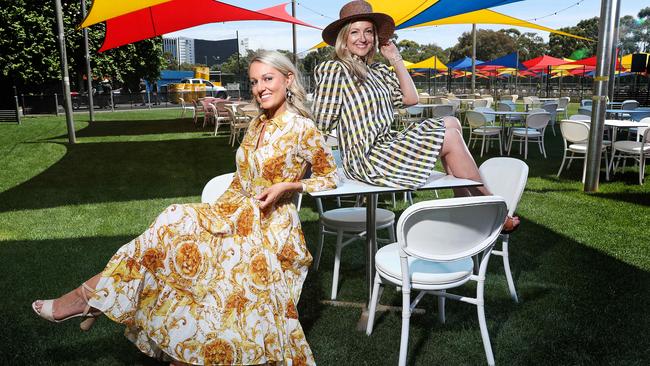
(275, 35)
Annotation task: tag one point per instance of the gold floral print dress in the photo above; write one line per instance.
(218, 283)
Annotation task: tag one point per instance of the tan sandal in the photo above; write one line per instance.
(88, 318)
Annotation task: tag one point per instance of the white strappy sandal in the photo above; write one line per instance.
(88, 318)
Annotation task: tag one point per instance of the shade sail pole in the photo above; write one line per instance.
(293, 32)
(473, 59)
(89, 77)
(607, 23)
(612, 66)
(72, 138)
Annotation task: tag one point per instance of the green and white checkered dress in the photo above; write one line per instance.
(362, 115)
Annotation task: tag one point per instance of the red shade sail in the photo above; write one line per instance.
(591, 62)
(543, 62)
(181, 14)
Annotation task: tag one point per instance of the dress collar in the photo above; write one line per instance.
(279, 121)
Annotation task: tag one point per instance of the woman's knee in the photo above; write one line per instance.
(452, 122)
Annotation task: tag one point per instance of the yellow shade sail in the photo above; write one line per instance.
(486, 16)
(102, 10)
(406, 63)
(431, 63)
(626, 61)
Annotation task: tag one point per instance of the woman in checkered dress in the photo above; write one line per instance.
(358, 98)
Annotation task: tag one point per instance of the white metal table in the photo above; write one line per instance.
(348, 187)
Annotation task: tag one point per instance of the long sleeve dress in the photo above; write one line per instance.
(219, 283)
(363, 114)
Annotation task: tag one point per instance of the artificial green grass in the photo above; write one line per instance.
(581, 261)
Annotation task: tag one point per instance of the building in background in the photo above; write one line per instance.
(181, 49)
(200, 51)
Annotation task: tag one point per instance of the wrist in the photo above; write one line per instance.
(395, 59)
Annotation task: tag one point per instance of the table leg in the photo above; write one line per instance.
(371, 248)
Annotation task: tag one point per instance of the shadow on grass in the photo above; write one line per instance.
(120, 171)
(638, 198)
(139, 127)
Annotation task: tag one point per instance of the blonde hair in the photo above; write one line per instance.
(358, 69)
(281, 63)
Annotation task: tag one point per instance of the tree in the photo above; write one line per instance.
(312, 59)
(30, 56)
(489, 45)
(563, 46)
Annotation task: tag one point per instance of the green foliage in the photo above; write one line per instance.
(30, 56)
(312, 59)
(489, 45)
(562, 46)
(414, 52)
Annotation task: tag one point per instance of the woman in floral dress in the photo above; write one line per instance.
(219, 283)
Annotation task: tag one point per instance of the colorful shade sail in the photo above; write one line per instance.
(102, 10)
(509, 60)
(463, 63)
(432, 63)
(543, 62)
(181, 14)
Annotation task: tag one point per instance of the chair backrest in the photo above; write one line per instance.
(210, 109)
(475, 119)
(550, 107)
(222, 110)
(538, 120)
(629, 104)
(216, 187)
(574, 131)
(505, 177)
(505, 107)
(450, 229)
(488, 117)
(479, 103)
(586, 103)
(640, 113)
(585, 110)
(182, 101)
(580, 117)
(443, 110)
(563, 102)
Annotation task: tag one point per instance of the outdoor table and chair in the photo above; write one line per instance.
(348, 187)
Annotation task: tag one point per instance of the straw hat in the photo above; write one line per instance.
(360, 10)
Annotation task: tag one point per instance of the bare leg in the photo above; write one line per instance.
(73, 302)
(457, 160)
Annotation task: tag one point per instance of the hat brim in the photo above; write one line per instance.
(383, 22)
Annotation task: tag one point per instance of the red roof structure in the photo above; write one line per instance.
(181, 14)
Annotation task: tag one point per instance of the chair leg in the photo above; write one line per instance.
(337, 263)
(406, 317)
(319, 250)
(480, 309)
(506, 266)
(391, 234)
(373, 304)
(562, 164)
(441, 308)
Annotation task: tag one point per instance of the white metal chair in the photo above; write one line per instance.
(185, 107)
(477, 103)
(479, 128)
(563, 106)
(414, 115)
(238, 123)
(221, 116)
(436, 241)
(551, 107)
(586, 103)
(575, 135)
(534, 129)
(216, 187)
(347, 223)
(637, 150)
(505, 177)
(586, 110)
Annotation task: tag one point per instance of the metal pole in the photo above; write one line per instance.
(435, 74)
(612, 67)
(91, 105)
(473, 59)
(516, 70)
(607, 23)
(56, 104)
(293, 32)
(64, 73)
(112, 102)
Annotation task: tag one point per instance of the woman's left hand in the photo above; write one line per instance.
(271, 194)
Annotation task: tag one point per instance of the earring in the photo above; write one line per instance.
(289, 96)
